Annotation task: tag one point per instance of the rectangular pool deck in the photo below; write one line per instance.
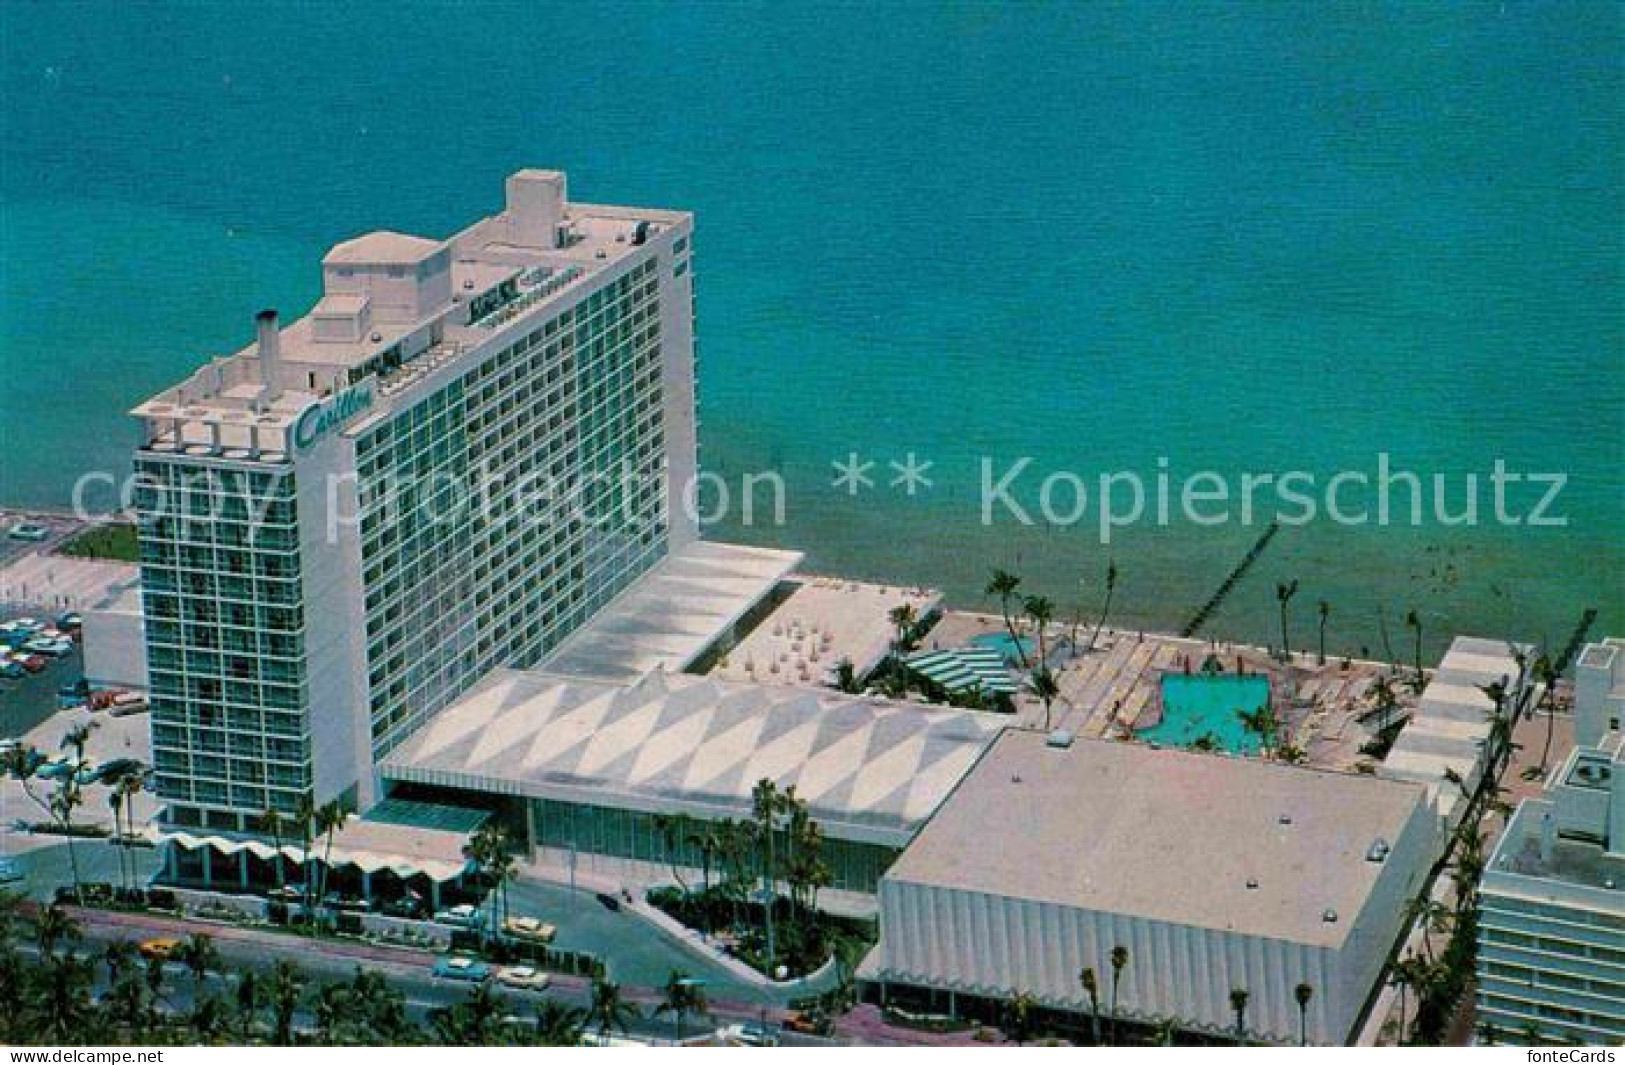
(1113, 690)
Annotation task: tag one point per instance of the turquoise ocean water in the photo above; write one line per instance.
(1244, 237)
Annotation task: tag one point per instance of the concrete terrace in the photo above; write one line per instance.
(824, 620)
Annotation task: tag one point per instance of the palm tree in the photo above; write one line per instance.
(1045, 687)
(67, 799)
(608, 1009)
(673, 831)
(128, 1004)
(1405, 975)
(1263, 723)
(846, 677)
(287, 988)
(1546, 676)
(903, 618)
(64, 998)
(115, 800)
(1106, 606)
(1091, 987)
(1042, 612)
(251, 993)
(271, 822)
(200, 955)
(488, 849)
(1238, 1006)
(480, 1014)
(1302, 994)
(683, 995)
(119, 956)
(1019, 1027)
(1324, 609)
(304, 819)
(557, 1025)
(1413, 621)
(329, 821)
(1119, 958)
(1284, 591)
(1004, 586)
(766, 803)
(53, 928)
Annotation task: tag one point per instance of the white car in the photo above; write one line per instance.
(49, 648)
(523, 977)
(462, 916)
(529, 928)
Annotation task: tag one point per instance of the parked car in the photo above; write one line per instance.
(346, 903)
(32, 663)
(408, 906)
(531, 929)
(164, 948)
(60, 766)
(460, 967)
(28, 625)
(286, 893)
(10, 871)
(608, 901)
(523, 977)
(752, 1034)
(810, 1022)
(70, 621)
(462, 916)
(11, 670)
(51, 648)
(31, 531)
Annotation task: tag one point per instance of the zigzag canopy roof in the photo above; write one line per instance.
(868, 769)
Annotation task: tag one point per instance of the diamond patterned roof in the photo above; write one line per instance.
(869, 769)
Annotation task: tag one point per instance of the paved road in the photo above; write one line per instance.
(407, 970)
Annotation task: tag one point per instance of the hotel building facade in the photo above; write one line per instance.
(1551, 958)
(462, 453)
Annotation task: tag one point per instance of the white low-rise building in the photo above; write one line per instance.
(1217, 874)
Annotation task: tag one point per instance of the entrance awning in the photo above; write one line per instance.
(440, 867)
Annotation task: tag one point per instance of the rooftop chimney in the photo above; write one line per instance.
(270, 355)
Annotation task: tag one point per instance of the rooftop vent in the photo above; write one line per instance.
(1379, 850)
(1252, 883)
(1329, 916)
(1060, 739)
(1286, 819)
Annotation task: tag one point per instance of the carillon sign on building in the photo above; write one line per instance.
(319, 419)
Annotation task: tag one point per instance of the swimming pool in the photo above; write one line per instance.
(1001, 642)
(1200, 704)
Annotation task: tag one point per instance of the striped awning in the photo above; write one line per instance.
(963, 669)
(366, 861)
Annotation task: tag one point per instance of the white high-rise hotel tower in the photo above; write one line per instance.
(461, 453)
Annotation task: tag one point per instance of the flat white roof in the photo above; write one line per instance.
(383, 246)
(1165, 835)
(674, 612)
(1452, 719)
(869, 769)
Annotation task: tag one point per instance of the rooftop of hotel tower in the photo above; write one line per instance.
(395, 307)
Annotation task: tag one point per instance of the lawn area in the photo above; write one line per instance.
(116, 541)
